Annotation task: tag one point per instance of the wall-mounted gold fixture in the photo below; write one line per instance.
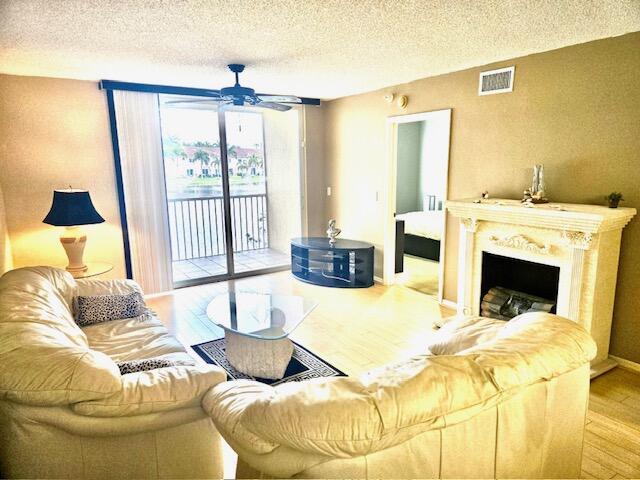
(403, 101)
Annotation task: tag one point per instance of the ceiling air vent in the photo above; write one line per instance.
(496, 81)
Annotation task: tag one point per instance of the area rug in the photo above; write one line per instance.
(303, 365)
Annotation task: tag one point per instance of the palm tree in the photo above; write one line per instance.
(243, 166)
(200, 143)
(172, 147)
(215, 161)
(233, 152)
(202, 157)
(254, 162)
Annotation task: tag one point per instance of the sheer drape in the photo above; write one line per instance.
(140, 142)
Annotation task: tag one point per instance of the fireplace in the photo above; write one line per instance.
(506, 280)
(564, 253)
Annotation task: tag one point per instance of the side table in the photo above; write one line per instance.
(93, 269)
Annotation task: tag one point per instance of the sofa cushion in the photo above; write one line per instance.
(461, 333)
(155, 391)
(90, 309)
(88, 287)
(531, 347)
(39, 366)
(227, 406)
(40, 295)
(44, 356)
(136, 338)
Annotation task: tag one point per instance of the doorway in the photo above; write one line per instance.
(415, 227)
(229, 210)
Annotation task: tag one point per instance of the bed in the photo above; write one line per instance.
(419, 233)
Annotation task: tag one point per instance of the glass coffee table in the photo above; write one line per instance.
(256, 329)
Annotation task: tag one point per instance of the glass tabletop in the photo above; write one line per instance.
(93, 269)
(260, 315)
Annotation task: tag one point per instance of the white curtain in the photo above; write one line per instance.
(140, 141)
(6, 262)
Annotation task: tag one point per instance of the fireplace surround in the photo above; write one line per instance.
(581, 242)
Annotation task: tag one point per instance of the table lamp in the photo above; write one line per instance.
(71, 208)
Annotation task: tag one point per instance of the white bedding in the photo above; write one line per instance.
(423, 224)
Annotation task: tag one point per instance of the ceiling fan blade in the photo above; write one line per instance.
(201, 105)
(268, 97)
(273, 106)
(201, 100)
(279, 98)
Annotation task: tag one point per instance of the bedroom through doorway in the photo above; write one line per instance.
(420, 164)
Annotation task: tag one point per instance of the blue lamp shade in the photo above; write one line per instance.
(71, 208)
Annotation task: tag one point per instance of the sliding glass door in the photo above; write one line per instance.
(225, 219)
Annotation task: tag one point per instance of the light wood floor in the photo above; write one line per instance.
(420, 274)
(360, 329)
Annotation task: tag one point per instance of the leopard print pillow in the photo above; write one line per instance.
(102, 308)
(133, 366)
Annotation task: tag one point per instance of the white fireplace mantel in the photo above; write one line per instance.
(558, 216)
(583, 241)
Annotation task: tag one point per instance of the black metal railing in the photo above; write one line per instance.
(196, 225)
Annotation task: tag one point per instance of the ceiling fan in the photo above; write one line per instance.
(239, 96)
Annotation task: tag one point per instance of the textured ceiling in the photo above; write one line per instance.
(319, 48)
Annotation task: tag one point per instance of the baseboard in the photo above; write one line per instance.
(628, 364)
(378, 280)
(602, 366)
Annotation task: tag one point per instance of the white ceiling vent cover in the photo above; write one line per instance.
(496, 81)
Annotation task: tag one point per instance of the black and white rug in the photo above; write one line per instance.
(303, 365)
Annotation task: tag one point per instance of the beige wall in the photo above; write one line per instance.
(282, 151)
(576, 110)
(315, 170)
(6, 257)
(54, 133)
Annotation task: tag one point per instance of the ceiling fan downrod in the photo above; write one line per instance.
(236, 68)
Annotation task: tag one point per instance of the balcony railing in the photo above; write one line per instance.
(196, 225)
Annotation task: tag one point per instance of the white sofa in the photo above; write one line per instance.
(65, 409)
(500, 399)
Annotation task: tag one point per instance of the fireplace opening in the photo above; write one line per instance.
(511, 286)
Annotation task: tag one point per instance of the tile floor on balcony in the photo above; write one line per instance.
(217, 265)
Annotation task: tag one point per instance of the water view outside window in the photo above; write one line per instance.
(191, 145)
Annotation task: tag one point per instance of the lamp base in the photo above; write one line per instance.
(73, 241)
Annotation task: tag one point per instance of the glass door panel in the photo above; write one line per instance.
(193, 177)
(260, 236)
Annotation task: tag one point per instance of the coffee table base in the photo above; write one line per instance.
(257, 357)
